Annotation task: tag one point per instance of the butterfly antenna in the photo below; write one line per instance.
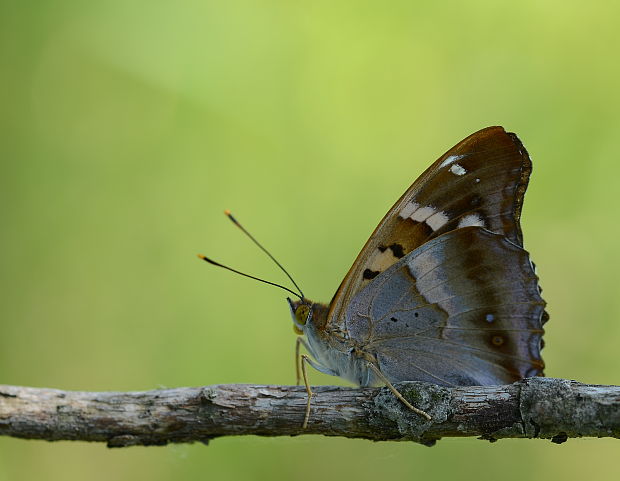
(236, 222)
(211, 261)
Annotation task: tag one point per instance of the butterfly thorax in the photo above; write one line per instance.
(330, 345)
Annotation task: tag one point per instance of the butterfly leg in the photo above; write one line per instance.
(389, 385)
(305, 359)
(298, 343)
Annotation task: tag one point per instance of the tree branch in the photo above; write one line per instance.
(553, 409)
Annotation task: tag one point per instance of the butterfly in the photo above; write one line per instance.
(443, 290)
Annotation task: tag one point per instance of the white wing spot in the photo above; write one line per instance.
(452, 158)
(382, 260)
(409, 209)
(477, 180)
(437, 220)
(428, 214)
(490, 317)
(457, 169)
(471, 220)
(422, 213)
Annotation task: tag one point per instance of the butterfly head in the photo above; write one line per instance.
(301, 312)
(308, 315)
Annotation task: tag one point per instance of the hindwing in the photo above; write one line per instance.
(463, 309)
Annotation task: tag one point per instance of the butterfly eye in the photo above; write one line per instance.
(302, 313)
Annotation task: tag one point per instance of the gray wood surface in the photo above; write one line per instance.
(554, 409)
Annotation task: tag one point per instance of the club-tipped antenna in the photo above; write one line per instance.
(211, 261)
(236, 222)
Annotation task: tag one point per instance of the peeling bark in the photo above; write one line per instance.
(554, 409)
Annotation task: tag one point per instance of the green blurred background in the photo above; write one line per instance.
(127, 127)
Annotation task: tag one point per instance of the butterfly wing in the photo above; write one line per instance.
(480, 181)
(463, 309)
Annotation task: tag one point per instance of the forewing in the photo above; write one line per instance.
(480, 181)
(463, 309)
